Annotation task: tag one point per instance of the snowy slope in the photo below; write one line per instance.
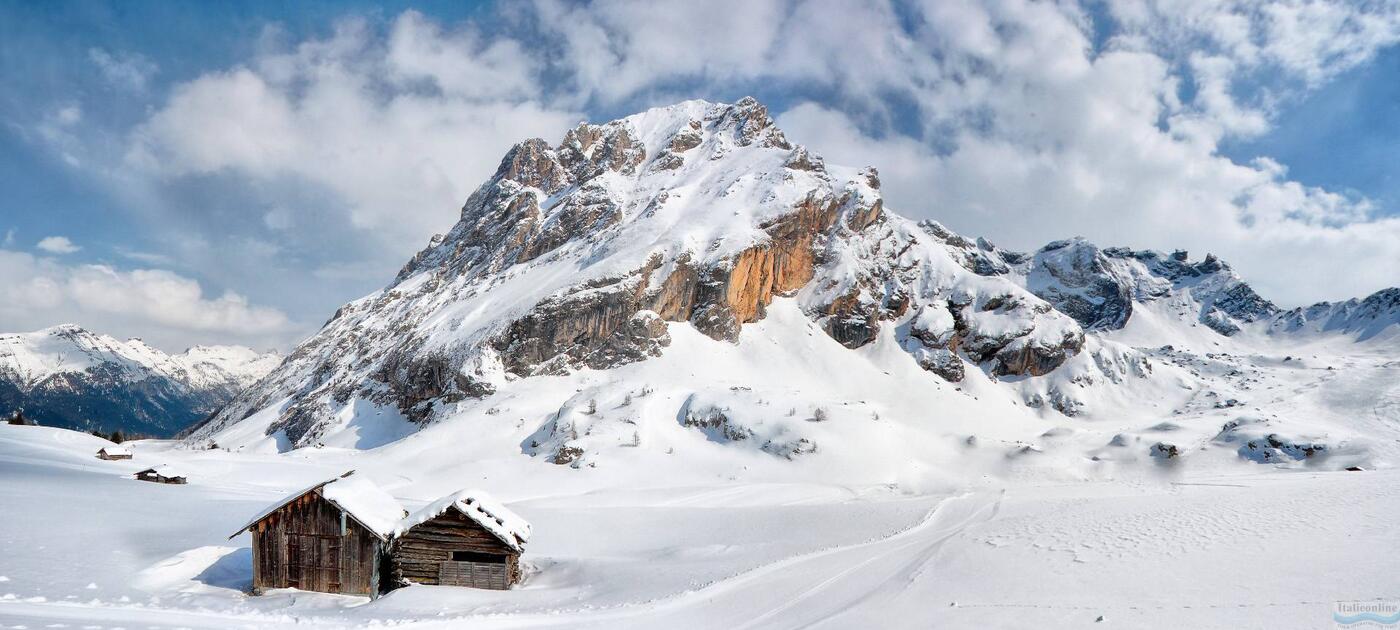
(1219, 544)
(68, 376)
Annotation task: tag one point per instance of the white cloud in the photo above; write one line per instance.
(613, 49)
(69, 115)
(57, 245)
(351, 115)
(160, 306)
(125, 70)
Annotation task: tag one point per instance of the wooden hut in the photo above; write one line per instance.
(463, 539)
(163, 473)
(114, 452)
(332, 537)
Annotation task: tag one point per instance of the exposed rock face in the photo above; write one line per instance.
(1079, 281)
(751, 124)
(591, 326)
(940, 361)
(907, 272)
(803, 160)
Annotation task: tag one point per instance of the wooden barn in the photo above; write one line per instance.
(463, 539)
(162, 474)
(114, 452)
(332, 537)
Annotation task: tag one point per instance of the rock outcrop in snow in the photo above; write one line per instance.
(69, 377)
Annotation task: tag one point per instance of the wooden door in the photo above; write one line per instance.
(313, 562)
(474, 574)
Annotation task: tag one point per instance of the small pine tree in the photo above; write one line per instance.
(18, 418)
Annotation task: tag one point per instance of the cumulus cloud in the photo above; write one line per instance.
(160, 306)
(57, 245)
(1309, 40)
(398, 131)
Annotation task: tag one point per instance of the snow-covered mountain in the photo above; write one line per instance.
(1377, 314)
(1099, 288)
(69, 377)
(688, 275)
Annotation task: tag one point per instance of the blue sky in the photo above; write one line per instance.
(1341, 137)
(233, 172)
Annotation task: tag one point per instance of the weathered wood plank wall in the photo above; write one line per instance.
(302, 545)
(418, 555)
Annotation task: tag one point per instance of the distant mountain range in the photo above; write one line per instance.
(672, 237)
(69, 377)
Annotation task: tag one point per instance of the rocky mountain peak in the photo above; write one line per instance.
(542, 196)
(585, 254)
(750, 123)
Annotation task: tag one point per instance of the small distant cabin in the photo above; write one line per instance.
(332, 537)
(463, 539)
(114, 452)
(162, 474)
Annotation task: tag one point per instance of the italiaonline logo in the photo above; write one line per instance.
(1366, 614)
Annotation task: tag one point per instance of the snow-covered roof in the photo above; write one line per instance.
(164, 470)
(479, 507)
(115, 450)
(358, 497)
(366, 503)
